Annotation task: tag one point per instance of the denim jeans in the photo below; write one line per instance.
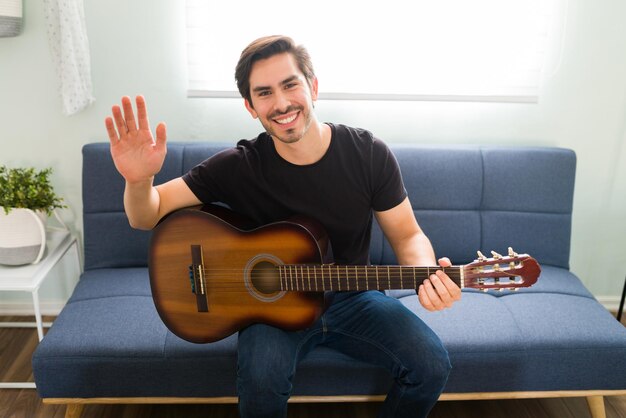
(368, 326)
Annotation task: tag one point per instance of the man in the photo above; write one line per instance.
(339, 175)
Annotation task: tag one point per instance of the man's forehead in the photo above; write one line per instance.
(274, 70)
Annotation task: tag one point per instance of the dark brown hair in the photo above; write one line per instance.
(267, 47)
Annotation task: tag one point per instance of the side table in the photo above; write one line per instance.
(29, 278)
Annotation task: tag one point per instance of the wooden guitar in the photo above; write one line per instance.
(211, 276)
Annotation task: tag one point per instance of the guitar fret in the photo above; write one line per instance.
(323, 286)
(366, 279)
(340, 278)
(388, 277)
(291, 277)
(308, 273)
(347, 278)
(401, 280)
(414, 279)
(377, 281)
(330, 278)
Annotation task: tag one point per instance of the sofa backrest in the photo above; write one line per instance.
(466, 198)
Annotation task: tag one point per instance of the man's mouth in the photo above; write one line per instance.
(287, 120)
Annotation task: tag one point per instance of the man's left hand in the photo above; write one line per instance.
(439, 292)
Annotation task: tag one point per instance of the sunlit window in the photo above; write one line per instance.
(491, 50)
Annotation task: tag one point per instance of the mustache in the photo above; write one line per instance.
(288, 110)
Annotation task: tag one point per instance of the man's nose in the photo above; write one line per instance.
(282, 102)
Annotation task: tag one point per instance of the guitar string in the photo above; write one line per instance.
(234, 281)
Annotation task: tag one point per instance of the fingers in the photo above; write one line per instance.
(119, 121)
(124, 118)
(445, 262)
(110, 126)
(142, 113)
(438, 292)
(161, 135)
(129, 116)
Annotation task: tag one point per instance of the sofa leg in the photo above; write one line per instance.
(596, 406)
(73, 410)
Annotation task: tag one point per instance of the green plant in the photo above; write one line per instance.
(27, 188)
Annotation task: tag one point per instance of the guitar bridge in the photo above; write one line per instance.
(198, 278)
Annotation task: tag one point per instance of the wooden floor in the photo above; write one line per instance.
(17, 345)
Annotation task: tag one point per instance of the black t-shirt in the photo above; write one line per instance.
(358, 173)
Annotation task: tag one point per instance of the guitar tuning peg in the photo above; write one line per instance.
(481, 256)
(512, 253)
(496, 255)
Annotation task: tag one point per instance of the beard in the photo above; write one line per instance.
(291, 135)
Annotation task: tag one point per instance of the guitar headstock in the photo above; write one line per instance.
(501, 272)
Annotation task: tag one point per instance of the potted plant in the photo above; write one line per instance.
(26, 200)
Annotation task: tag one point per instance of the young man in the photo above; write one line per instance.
(340, 176)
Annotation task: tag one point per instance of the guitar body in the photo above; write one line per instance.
(209, 278)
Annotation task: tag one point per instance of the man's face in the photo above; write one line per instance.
(281, 97)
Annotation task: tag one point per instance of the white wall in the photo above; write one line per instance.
(138, 48)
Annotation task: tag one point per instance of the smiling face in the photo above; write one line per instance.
(281, 97)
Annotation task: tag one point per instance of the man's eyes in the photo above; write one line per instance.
(286, 86)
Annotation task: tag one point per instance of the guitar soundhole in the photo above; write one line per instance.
(265, 278)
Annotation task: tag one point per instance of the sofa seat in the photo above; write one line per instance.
(553, 330)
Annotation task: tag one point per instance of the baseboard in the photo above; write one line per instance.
(611, 303)
(18, 308)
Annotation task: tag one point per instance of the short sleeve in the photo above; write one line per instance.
(211, 178)
(388, 189)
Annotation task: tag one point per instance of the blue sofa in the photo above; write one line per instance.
(553, 339)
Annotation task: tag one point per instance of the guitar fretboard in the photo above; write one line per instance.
(330, 277)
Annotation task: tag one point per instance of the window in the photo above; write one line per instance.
(485, 50)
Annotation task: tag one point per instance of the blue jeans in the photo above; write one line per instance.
(368, 326)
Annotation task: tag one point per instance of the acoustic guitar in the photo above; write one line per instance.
(211, 275)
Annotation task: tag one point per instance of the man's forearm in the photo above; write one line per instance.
(141, 203)
(416, 250)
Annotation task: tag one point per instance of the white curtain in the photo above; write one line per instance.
(69, 47)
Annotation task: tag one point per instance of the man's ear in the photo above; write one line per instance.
(250, 108)
(314, 89)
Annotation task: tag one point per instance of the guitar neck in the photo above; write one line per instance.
(320, 278)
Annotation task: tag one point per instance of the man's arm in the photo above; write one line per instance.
(412, 247)
(138, 158)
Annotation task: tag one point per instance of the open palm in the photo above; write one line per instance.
(137, 156)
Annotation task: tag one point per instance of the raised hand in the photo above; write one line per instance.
(137, 156)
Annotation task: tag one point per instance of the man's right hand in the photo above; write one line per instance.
(135, 153)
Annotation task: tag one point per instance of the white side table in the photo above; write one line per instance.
(29, 278)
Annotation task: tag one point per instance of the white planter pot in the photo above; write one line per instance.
(22, 236)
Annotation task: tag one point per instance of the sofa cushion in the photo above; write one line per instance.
(529, 342)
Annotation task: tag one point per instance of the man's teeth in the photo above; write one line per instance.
(286, 120)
